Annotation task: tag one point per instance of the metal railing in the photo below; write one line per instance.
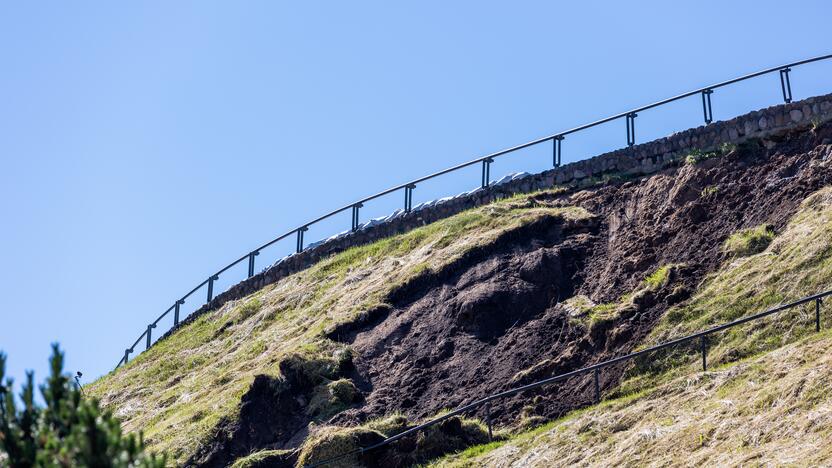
(595, 369)
(556, 140)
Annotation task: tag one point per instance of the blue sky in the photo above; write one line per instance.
(148, 144)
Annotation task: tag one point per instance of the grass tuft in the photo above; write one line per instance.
(749, 241)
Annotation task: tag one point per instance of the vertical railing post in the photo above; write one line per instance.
(597, 386)
(786, 85)
(706, 106)
(488, 420)
(355, 209)
(176, 311)
(211, 287)
(703, 347)
(486, 172)
(631, 128)
(127, 354)
(300, 238)
(149, 327)
(408, 197)
(251, 262)
(556, 150)
(817, 314)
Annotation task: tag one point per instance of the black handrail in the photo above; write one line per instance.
(595, 368)
(556, 139)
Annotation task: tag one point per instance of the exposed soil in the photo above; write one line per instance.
(470, 331)
(270, 411)
(454, 336)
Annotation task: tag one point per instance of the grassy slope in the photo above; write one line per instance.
(770, 410)
(768, 407)
(180, 389)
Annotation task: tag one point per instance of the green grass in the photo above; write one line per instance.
(608, 312)
(696, 155)
(262, 458)
(749, 241)
(710, 191)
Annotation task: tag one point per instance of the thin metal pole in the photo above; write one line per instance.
(786, 85)
(556, 150)
(597, 386)
(408, 197)
(488, 420)
(355, 209)
(211, 287)
(176, 312)
(486, 172)
(703, 347)
(300, 238)
(817, 314)
(251, 262)
(631, 128)
(706, 106)
(127, 355)
(149, 327)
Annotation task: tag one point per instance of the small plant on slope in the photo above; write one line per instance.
(749, 241)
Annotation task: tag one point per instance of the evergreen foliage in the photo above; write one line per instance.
(69, 430)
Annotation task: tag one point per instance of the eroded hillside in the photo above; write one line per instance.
(764, 402)
(483, 301)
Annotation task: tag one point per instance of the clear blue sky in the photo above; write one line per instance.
(148, 144)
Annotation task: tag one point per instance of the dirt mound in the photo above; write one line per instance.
(275, 412)
(509, 313)
(468, 331)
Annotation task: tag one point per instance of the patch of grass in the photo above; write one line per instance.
(248, 309)
(332, 398)
(749, 241)
(658, 278)
(601, 314)
(816, 123)
(696, 155)
(262, 459)
(710, 191)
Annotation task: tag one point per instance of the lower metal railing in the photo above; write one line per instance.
(595, 369)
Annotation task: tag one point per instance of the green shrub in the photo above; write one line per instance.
(749, 241)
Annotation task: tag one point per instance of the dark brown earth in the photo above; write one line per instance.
(473, 329)
(467, 331)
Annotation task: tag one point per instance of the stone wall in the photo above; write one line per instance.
(637, 160)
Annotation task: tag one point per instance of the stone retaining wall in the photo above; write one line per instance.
(637, 160)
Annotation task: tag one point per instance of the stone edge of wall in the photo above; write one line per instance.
(642, 159)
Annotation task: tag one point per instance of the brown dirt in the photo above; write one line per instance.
(453, 336)
(467, 331)
(269, 412)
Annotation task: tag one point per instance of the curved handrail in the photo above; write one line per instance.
(485, 160)
(584, 370)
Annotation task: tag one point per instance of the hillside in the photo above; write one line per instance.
(506, 294)
(764, 402)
